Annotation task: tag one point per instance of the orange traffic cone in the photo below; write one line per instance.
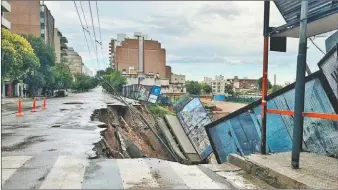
(20, 113)
(44, 103)
(34, 105)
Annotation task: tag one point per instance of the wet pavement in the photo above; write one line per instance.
(51, 149)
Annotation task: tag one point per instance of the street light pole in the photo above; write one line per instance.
(300, 88)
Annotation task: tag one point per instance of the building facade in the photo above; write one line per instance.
(74, 60)
(31, 18)
(60, 45)
(5, 8)
(177, 84)
(87, 71)
(218, 84)
(244, 84)
(143, 55)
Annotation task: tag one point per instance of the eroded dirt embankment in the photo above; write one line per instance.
(126, 136)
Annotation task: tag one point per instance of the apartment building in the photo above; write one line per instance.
(218, 84)
(5, 8)
(177, 84)
(87, 71)
(74, 60)
(60, 45)
(31, 18)
(142, 55)
(244, 84)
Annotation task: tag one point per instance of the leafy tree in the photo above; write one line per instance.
(206, 88)
(259, 83)
(46, 55)
(193, 87)
(228, 88)
(62, 76)
(116, 80)
(84, 83)
(275, 88)
(17, 57)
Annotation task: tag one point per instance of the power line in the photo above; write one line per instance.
(317, 46)
(98, 19)
(91, 15)
(87, 28)
(83, 30)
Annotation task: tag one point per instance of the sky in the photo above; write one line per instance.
(201, 38)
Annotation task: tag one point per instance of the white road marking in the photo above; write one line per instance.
(193, 177)
(10, 164)
(67, 173)
(135, 173)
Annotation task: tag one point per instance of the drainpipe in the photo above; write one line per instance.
(300, 88)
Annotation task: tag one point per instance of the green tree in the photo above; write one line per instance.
(228, 88)
(115, 79)
(17, 57)
(274, 89)
(193, 87)
(62, 76)
(259, 83)
(206, 88)
(84, 83)
(46, 55)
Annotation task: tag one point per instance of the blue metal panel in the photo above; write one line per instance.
(241, 136)
(291, 9)
(250, 131)
(224, 140)
(277, 135)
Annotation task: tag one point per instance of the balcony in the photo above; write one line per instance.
(5, 6)
(63, 53)
(63, 46)
(5, 23)
(63, 39)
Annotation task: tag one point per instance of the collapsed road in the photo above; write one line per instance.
(91, 140)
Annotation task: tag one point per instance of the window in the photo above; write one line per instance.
(42, 31)
(42, 20)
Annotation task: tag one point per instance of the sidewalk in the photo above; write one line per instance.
(316, 171)
(13, 100)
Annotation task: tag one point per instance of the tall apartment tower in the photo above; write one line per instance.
(5, 8)
(29, 17)
(141, 55)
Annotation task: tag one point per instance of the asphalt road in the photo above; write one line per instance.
(50, 148)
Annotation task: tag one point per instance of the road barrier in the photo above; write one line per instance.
(20, 113)
(34, 105)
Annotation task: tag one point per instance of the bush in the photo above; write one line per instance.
(159, 111)
(84, 83)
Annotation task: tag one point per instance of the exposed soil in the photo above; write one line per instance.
(125, 136)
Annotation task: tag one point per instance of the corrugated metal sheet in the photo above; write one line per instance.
(291, 9)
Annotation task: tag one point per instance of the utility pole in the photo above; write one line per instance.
(300, 88)
(265, 73)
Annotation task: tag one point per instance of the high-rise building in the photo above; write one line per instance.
(142, 55)
(74, 60)
(217, 85)
(29, 17)
(60, 45)
(5, 8)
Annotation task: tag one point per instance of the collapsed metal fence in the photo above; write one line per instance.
(240, 131)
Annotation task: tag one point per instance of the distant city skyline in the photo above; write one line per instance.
(202, 39)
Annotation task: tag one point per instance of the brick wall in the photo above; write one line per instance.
(25, 17)
(154, 56)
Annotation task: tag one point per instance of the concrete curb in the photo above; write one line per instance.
(266, 174)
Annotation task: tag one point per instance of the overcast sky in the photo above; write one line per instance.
(202, 39)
